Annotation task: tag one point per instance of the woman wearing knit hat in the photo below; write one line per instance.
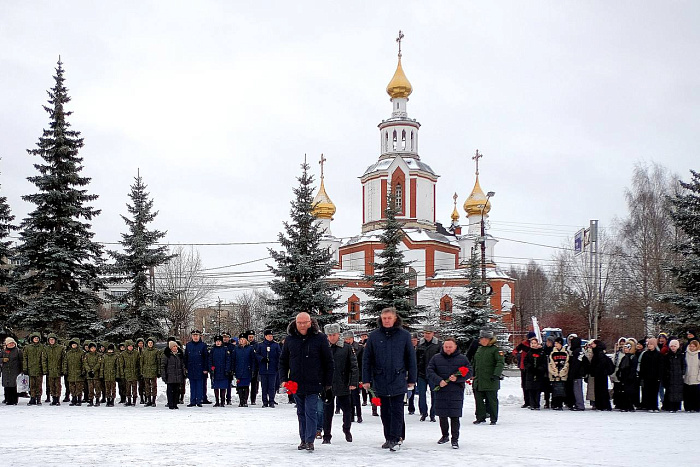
(11, 367)
(172, 371)
(674, 369)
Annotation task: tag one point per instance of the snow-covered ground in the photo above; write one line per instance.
(254, 436)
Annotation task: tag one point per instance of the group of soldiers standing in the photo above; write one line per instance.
(90, 373)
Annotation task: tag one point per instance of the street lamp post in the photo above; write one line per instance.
(490, 194)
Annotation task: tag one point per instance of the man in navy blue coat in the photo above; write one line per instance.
(196, 363)
(268, 354)
(307, 360)
(389, 367)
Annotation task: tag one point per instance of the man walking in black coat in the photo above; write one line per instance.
(427, 348)
(345, 379)
(389, 367)
(306, 360)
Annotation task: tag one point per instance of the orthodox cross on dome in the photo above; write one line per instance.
(322, 161)
(476, 158)
(399, 39)
(454, 197)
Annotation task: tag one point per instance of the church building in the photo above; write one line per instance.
(439, 255)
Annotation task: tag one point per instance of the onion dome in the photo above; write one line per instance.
(475, 201)
(399, 86)
(323, 206)
(455, 212)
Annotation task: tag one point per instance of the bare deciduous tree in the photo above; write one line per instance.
(183, 279)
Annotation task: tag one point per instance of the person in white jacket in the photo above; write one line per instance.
(691, 379)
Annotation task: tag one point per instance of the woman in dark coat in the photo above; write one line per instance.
(11, 367)
(674, 370)
(650, 369)
(627, 377)
(449, 398)
(244, 367)
(601, 367)
(173, 372)
(536, 372)
(220, 367)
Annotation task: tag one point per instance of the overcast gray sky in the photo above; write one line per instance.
(216, 102)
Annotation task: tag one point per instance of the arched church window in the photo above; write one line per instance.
(413, 283)
(446, 308)
(398, 197)
(403, 139)
(386, 141)
(394, 142)
(353, 309)
(412, 148)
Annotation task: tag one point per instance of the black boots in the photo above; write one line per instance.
(128, 402)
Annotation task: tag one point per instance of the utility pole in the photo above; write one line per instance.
(490, 194)
(594, 305)
(218, 324)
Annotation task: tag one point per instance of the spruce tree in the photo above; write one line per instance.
(59, 263)
(142, 309)
(303, 266)
(7, 300)
(686, 217)
(391, 278)
(472, 310)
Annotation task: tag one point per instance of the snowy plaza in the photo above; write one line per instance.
(255, 436)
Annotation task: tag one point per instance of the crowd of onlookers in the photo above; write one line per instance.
(652, 373)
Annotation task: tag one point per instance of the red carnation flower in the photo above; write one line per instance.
(376, 401)
(291, 387)
(463, 370)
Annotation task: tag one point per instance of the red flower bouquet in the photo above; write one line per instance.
(291, 387)
(374, 399)
(461, 371)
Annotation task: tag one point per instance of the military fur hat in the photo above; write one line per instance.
(333, 328)
(348, 335)
(428, 328)
(486, 333)
(268, 332)
(196, 331)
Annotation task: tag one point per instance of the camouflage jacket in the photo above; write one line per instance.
(53, 360)
(92, 365)
(111, 370)
(150, 362)
(73, 365)
(129, 365)
(33, 364)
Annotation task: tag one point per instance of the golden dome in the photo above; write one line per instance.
(455, 212)
(475, 201)
(323, 206)
(399, 86)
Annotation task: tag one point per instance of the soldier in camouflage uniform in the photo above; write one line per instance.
(92, 365)
(110, 373)
(54, 354)
(73, 369)
(102, 349)
(121, 383)
(140, 345)
(150, 371)
(131, 372)
(33, 365)
(66, 348)
(86, 349)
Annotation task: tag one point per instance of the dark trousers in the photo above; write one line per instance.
(269, 387)
(121, 384)
(173, 393)
(486, 402)
(535, 398)
(445, 423)
(228, 389)
(150, 388)
(253, 388)
(526, 393)
(411, 402)
(570, 399)
(691, 397)
(204, 381)
(356, 405)
(329, 411)
(650, 395)
(423, 388)
(196, 386)
(306, 414)
(392, 417)
(11, 396)
(364, 396)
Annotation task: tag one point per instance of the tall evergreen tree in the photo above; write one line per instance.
(142, 309)
(7, 301)
(686, 216)
(303, 266)
(59, 263)
(391, 279)
(472, 310)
